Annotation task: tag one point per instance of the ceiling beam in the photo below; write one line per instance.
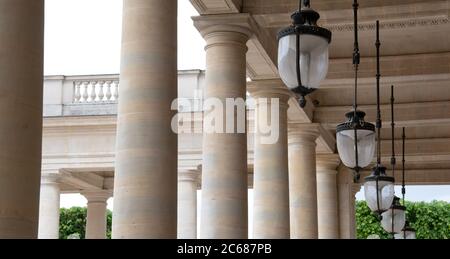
(83, 181)
(419, 177)
(408, 89)
(217, 6)
(407, 114)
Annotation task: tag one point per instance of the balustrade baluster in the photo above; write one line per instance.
(101, 93)
(108, 91)
(85, 92)
(116, 91)
(77, 94)
(93, 91)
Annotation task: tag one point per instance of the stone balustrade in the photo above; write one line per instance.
(94, 91)
(99, 94)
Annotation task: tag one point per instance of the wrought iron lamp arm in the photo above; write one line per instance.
(403, 172)
(356, 61)
(403, 165)
(301, 90)
(379, 124)
(393, 159)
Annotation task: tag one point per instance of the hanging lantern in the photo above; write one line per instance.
(379, 190)
(360, 154)
(303, 52)
(393, 220)
(407, 232)
(356, 138)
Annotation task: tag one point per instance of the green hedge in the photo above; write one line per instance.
(431, 220)
(73, 222)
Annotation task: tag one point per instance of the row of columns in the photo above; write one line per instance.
(145, 188)
(330, 212)
(96, 219)
(145, 185)
(271, 203)
(270, 211)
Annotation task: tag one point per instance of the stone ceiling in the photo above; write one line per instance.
(415, 51)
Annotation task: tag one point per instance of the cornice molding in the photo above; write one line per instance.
(390, 25)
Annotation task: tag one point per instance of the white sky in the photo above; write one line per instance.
(84, 37)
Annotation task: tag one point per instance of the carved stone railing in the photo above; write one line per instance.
(96, 91)
(99, 94)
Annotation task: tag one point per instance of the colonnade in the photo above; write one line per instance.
(297, 195)
(332, 214)
(96, 220)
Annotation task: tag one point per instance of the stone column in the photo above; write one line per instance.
(49, 206)
(188, 183)
(302, 180)
(346, 196)
(145, 187)
(96, 214)
(224, 176)
(327, 198)
(21, 75)
(271, 170)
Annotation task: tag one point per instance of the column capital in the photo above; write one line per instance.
(269, 89)
(220, 30)
(303, 133)
(188, 176)
(240, 23)
(50, 178)
(328, 163)
(225, 35)
(356, 188)
(97, 196)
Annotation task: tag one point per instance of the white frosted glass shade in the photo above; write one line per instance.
(385, 193)
(393, 220)
(406, 235)
(346, 147)
(313, 60)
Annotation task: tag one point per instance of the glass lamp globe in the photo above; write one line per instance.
(303, 52)
(407, 232)
(393, 220)
(379, 190)
(313, 60)
(345, 137)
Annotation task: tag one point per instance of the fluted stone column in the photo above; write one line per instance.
(145, 188)
(224, 176)
(302, 181)
(347, 211)
(49, 206)
(271, 170)
(188, 183)
(327, 198)
(96, 221)
(21, 75)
